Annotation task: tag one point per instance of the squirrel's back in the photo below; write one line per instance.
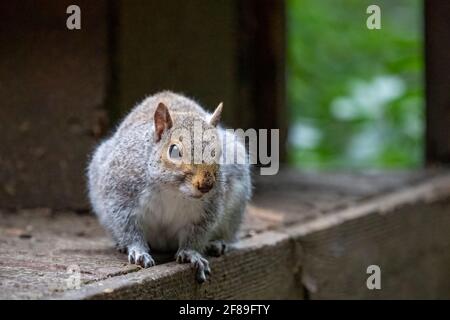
(144, 112)
(149, 193)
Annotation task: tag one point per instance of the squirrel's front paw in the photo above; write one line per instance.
(197, 261)
(140, 257)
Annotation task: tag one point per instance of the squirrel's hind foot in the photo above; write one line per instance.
(197, 261)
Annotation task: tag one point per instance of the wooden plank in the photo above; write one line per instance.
(437, 47)
(38, 246)
(263, 267)
(404, 233)
(283, 253)
(297, 197)
(48, 243)
(411, 246)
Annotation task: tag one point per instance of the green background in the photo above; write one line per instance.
(356, 96)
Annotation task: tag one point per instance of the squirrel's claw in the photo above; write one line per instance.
(196, 260)
(141, 258)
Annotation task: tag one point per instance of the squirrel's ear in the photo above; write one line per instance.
(163, 121)
(215, 118)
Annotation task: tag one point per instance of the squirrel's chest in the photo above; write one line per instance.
(164, 216)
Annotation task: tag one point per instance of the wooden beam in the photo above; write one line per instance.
(437, 48)
(312, 244)
(404, 232)
(264, 267)
(261, 61)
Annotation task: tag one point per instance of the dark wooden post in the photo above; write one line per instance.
(183, 46)
(437, 50)
(230, 51)
(261, 51)
(52, 89)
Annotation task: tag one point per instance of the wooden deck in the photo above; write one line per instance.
(306, 236)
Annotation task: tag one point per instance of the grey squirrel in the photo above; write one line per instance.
(147, 191)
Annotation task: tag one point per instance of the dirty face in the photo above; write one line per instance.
(195, 178)
(190, 151)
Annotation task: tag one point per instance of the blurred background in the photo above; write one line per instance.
(356, 95)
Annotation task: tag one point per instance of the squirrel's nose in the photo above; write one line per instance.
(203, 181)
(204, 188)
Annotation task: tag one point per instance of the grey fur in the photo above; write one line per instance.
(134, 197)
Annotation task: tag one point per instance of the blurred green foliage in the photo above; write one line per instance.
(356, 96)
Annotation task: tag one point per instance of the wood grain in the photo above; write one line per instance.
(315, 252)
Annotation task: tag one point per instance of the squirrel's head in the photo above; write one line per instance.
(190, 149)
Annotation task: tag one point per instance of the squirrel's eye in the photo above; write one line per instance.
(174, 152)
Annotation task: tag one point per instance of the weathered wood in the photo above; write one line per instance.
(437, 66)
(404, 233)
(312, 251)
(265, 267)
(38, 247)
